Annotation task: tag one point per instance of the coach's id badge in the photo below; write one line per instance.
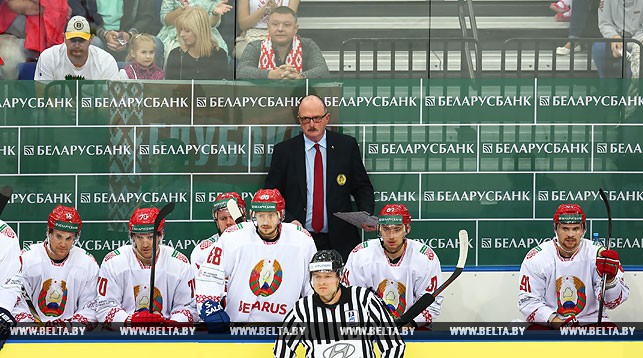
(341, 179)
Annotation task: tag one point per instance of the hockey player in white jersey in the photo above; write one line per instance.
(124, 280)
(223, 220)
(59, 278)
(398, 269)
(266, 265)
(10, 263)
(560, 279)
(320, 321)
(9, 252)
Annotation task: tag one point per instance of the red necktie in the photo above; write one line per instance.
(318, 192)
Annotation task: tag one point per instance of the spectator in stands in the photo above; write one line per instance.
(617, 19)
(582, 24)
(172, 9)
(141, 57)
(199, 56)
(124, 19)
(253, 20)
(563, 10)
(283, 55)
(29, 27)
(87, 9)
(76, 58)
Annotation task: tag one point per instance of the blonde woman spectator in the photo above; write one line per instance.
(172, 9)
(199, 56)
(253, 20)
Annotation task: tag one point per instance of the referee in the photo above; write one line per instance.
(337, 321)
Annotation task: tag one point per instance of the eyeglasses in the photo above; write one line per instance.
(316, 119)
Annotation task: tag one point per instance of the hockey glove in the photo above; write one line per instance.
(146, 319)
(6, 322)
(59, 322)
(215, 318)
(176, 324)
(571, 321)
(607, 263)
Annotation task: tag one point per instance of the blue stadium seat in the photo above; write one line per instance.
(26, 70)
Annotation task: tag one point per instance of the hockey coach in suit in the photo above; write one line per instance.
(317, 153)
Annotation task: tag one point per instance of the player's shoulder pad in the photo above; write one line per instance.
(84, 253)
(363, 245)
(234, 228)
(91, 256)
(303, 230)
(533, 252)
(179, 256)
(110, 255)
(426, 250)
(207, 242)
(7, 231)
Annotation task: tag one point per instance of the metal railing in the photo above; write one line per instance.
(537, 57)
(408, 58)
(416, 57)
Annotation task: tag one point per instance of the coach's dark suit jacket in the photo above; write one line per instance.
(288, 174)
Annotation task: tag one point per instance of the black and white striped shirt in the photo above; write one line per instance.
(348, 328)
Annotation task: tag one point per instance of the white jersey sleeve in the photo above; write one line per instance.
(9, 252)
(183, 303)
(87, 296)
(10, 281)
(201, 251)
(429, 263)
(211, 277)
(353, 273)
(110, 291)
(616, 292)
(532, 290)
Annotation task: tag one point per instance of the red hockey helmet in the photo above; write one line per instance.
(394, 214)
(142, 221)
(268, 200)
(569, 214)
(65, 218)
(221, 202)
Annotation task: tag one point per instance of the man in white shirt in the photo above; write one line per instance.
(76, 58)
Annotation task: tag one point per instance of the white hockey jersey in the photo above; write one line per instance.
(550, 283)
(123, 286)
(9, 252)
(58, 291)
(399, 285)
(201, 251)
(265, 279)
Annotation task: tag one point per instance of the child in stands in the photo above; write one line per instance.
(141, 57)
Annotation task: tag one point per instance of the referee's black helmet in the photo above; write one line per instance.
(326, 261)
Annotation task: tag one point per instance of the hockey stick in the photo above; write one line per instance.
(5, 195)
(427, 299)
(234, 211)
(601, 302)
(32, 308)
(162, 214)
